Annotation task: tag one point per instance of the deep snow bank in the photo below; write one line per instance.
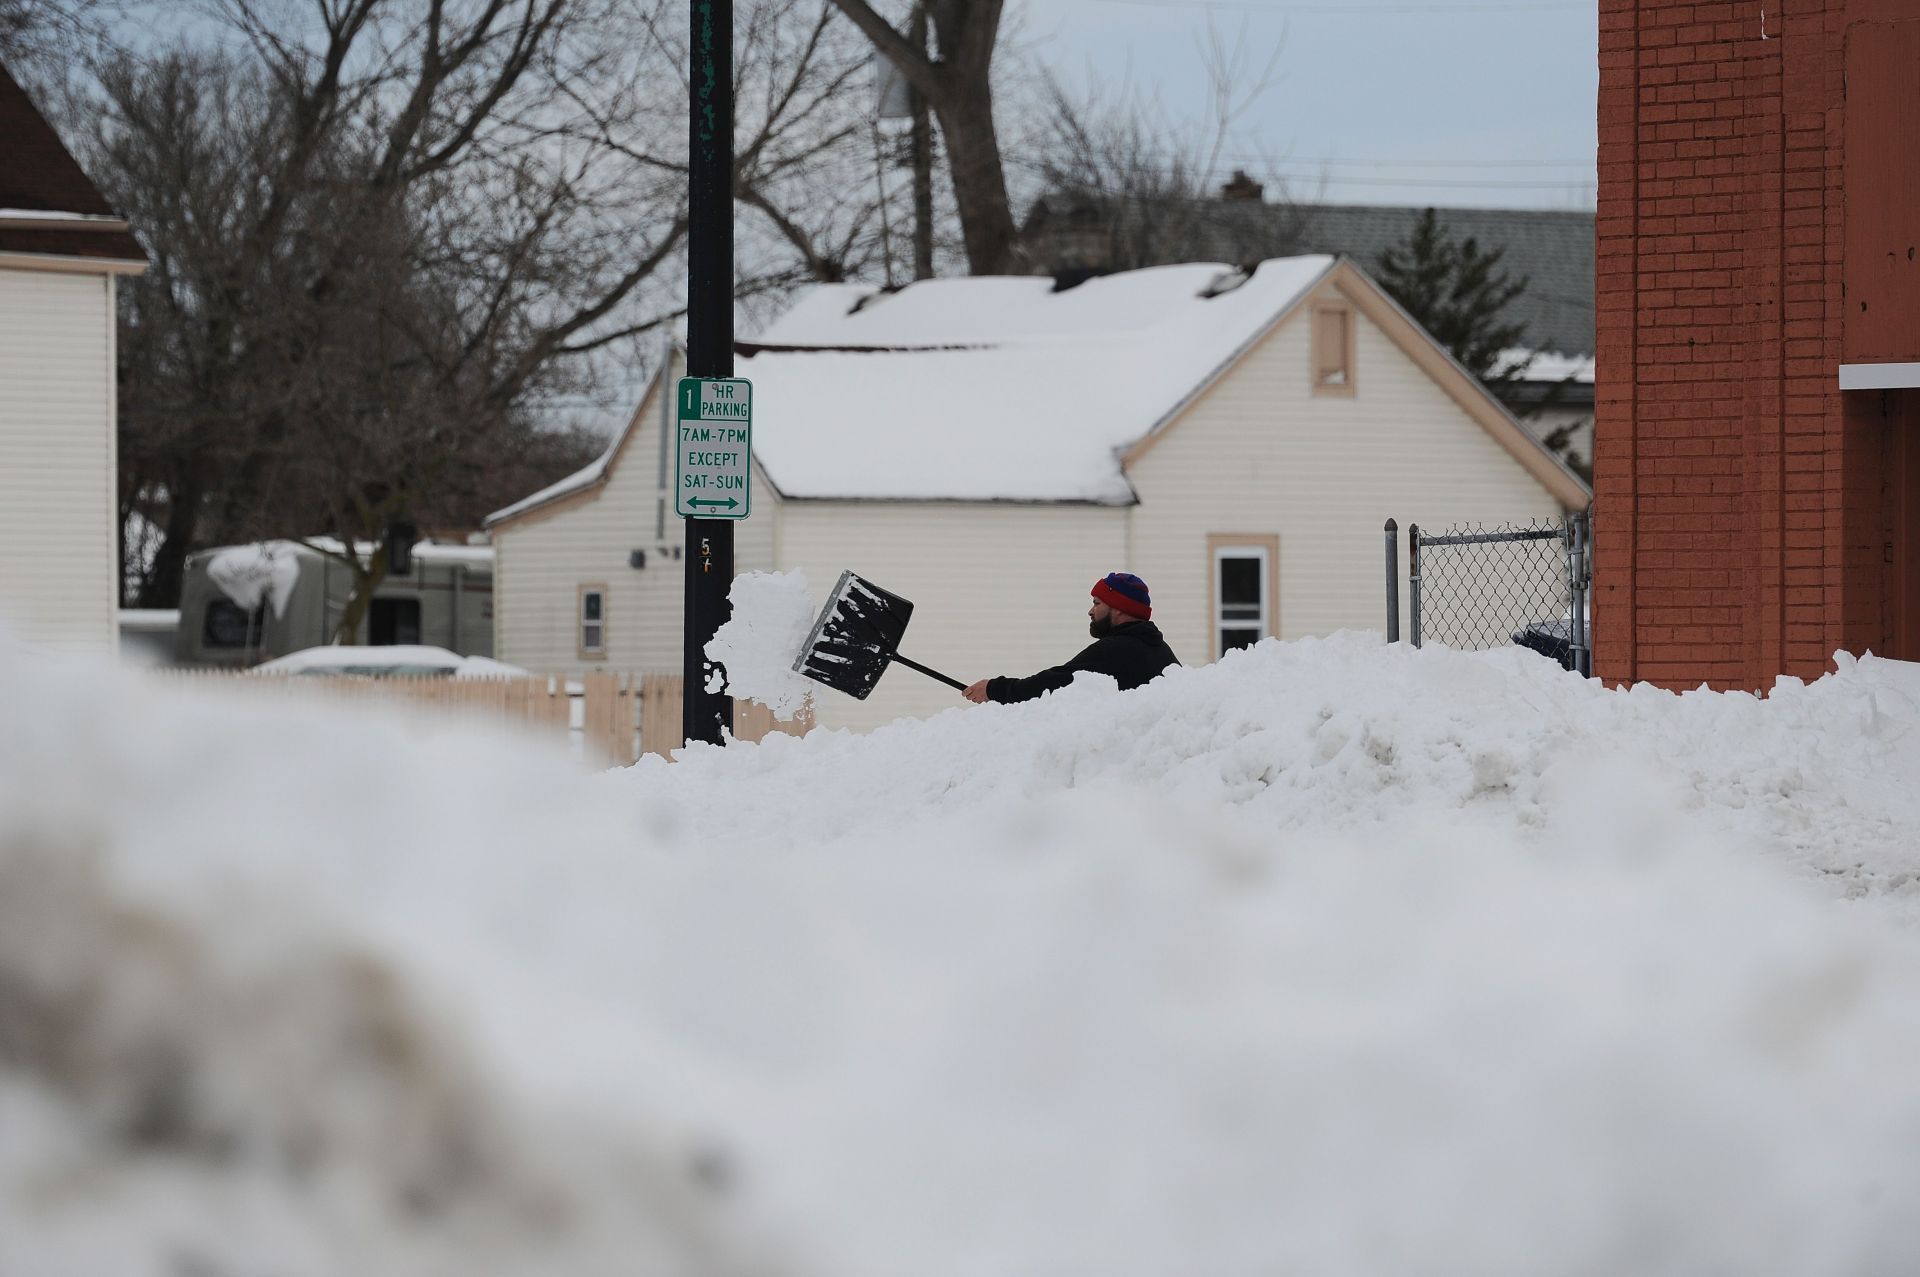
(1330, 958)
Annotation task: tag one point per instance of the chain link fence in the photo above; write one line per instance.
(1473, 587)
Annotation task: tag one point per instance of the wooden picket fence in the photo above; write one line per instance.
(615, 717)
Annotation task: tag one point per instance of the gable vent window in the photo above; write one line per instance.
(1332, 350)
(593, 621)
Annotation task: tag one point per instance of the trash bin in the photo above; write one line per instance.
(1552, 639)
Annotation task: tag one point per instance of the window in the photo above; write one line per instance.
(229, 625)
(392, 621)
(1332, 350)
(593, 621)
(1243, 570)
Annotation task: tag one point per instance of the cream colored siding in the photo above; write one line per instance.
(59, 573)
(996, 588)
(544, 559)
(1261, 453)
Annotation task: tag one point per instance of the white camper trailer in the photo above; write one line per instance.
(241, 605)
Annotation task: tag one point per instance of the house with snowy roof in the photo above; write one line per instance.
(988, 447)
(61, 248)
(1074, 234)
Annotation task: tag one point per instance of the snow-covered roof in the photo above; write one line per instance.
(56, 215)
(585, 476)
(425, 551)
(1550, 365)
(478, 556)
(996, 388)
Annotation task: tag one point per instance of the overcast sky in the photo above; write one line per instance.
(1451, 102)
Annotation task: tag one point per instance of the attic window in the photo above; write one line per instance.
(1332, 350)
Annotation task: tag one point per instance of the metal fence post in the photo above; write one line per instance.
(1577, 581)
(1413, 581)
(1393, 581)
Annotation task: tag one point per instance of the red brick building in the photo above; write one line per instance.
(1757, 453)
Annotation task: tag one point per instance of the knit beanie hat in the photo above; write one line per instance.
(1124, 592)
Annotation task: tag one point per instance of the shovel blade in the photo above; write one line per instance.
(855, 637)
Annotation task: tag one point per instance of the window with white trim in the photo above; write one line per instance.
(1242, 610)
(593, 620)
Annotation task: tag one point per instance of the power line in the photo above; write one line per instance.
(1462, 183)
(1370, 10)
(1309, 177)
(1340, 163)
(1334, 161)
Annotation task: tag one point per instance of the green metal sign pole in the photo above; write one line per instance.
(709, 558)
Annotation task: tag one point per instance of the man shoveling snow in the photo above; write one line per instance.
(1127, 646)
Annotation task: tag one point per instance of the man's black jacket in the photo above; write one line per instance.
(1131, 654)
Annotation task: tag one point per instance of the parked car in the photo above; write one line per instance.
(407, 660)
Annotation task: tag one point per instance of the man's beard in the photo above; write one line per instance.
(1100, 627)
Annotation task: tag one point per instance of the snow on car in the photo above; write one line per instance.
(395, 661)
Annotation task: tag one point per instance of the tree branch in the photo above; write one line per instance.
(895, 47)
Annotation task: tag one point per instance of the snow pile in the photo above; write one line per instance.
(1330, 958)
(248, 573)
(238, 1092)
(487, 667)
(772, 615)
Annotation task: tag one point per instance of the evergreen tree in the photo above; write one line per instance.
(1458, 292)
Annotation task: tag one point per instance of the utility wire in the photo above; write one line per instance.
(1309, 176)
(1340, 163)
(1368, 10)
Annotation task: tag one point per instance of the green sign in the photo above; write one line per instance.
(713, 464)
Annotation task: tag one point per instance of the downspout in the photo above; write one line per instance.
(455, 571)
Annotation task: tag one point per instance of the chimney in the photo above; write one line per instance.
(1073, 240)
(1241, 188)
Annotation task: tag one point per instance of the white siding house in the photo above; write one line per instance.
(60, 249)
(606, 531)
(989, 447)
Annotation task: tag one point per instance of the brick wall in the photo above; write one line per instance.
(1738, 511)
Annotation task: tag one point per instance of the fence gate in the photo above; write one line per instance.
(1475, 588)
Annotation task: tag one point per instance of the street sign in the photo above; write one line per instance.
(714, 459)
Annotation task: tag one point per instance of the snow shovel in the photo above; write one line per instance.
(857, 636)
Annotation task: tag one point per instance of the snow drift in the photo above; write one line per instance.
(1330, 958)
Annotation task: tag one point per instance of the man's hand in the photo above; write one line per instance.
(977, 693)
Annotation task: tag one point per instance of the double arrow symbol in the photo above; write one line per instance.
(700, 501)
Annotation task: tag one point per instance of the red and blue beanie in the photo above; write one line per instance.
(1124, 592)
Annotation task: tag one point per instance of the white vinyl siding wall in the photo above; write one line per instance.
(996, 588)
(1261, 453)
(59, 511)
(543, 560)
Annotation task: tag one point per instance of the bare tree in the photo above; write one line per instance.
(33, 30)
(388, 234)
(958, 87)
(1124, 185)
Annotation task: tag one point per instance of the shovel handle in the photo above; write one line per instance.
(915, 665)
